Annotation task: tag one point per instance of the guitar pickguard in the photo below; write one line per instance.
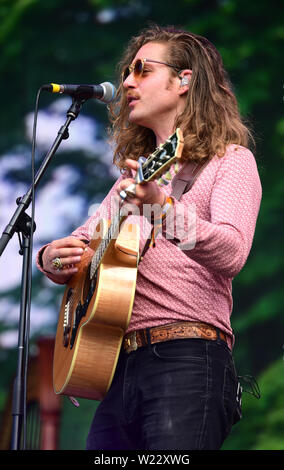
(73, 314)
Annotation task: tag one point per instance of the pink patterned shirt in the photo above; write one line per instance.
(205, 240)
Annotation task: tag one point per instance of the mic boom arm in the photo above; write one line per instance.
(104, 92)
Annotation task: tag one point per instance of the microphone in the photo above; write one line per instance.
(104, 92)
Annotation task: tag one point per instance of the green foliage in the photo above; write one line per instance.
(82, 416)
(262, 425)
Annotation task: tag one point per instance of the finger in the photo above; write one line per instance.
(132, 164)
(122, 188)
(65, 263)
(65, 274)
(125, 183)
(66, 266)
(72, 260)
(65, 252)
(68, 242)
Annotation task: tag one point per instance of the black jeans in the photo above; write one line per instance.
(178, 395)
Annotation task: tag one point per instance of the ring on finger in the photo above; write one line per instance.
(56, 262)
(130, 191)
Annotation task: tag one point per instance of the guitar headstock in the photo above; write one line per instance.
(164, 156)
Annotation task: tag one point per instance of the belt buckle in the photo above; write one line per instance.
(130, 342)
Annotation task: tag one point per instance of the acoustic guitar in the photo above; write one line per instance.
(97, 301)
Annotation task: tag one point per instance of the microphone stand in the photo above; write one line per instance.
(22, 223)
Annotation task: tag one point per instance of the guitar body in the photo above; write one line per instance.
(97, 302)
(88, 342)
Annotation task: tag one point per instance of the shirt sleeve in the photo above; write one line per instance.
(107, 209)
(223, 243)
(86, 231)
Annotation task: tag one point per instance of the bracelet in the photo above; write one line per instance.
(165, 208)
(168, 202)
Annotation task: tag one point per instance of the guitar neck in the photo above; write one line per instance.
(150, 169)
(111, 233)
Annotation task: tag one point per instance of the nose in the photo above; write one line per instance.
(130, 81)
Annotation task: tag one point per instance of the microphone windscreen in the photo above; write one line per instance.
(109, 92)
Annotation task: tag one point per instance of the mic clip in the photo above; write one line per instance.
(83, 92)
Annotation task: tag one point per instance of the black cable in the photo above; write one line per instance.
(29, 288)
(251, 381)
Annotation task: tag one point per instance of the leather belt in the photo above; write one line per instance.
(171, 331)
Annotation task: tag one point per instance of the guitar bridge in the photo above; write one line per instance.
(66, 318)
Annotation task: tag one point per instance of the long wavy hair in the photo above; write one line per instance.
(210, 120)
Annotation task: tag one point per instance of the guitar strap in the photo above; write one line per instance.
(185, 178)
(181, 183)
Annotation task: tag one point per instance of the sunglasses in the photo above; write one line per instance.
(138, 67)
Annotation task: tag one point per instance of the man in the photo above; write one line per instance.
(178, 389)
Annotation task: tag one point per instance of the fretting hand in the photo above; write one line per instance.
(146, 193)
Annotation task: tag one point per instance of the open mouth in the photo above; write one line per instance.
(131, 100)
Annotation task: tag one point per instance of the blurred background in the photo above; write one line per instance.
(66, 41)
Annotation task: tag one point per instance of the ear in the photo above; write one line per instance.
(185, 77)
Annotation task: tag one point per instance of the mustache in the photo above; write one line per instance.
(131, 95)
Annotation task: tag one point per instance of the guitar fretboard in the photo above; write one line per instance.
(110, 234)
(154, 167)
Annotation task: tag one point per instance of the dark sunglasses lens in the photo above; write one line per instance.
(125, 73)
(138, 68)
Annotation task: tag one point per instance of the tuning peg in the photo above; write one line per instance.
(163, 156)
